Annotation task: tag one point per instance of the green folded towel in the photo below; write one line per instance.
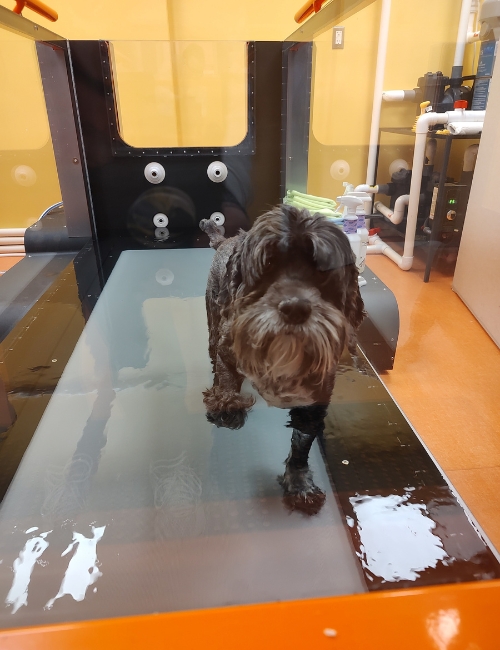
(315, 204)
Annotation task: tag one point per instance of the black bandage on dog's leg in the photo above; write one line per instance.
(226, 407)
(300, 491)
(309, 419)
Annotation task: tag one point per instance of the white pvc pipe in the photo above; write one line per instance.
(12, 254)
(377, 90)
(423, 123)
(393, 95)
(371, 189)
(11, 249)
(383, 209)
(405, 261)
(395, 257)
(472, 32)
(461, 115)
(395, 216)
(474, 37)
(399, 208)
(8, 241)
(465, 128)
(377, 246)
(398, 95)
(12, 232)
(462, 33)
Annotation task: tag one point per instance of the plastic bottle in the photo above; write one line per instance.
(363, 245)
(361, 228)
(351, 223)
(364, 209)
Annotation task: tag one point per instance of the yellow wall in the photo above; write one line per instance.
(107, 19)
(28, 176)
(181, 94)
(421, 39)
(342, 93)
(176, 19)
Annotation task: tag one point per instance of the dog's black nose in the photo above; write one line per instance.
(295, 310)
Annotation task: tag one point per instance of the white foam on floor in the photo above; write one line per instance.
(23, 568)
(82, 569)
(397, 542)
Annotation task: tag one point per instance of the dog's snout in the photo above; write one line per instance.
(295, 310)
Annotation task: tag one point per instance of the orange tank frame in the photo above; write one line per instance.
(311, 7)
(39, 7)
(452, 617)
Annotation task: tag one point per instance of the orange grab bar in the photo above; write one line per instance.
(38, 6)
(313, 6)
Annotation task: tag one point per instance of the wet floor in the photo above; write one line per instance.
(128, 501)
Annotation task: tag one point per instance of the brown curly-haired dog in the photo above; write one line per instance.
(282, 302)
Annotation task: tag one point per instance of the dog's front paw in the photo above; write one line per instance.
(300, 491)
(225, 408)
(227, 419)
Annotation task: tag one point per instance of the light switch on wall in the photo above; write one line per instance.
(338, 38)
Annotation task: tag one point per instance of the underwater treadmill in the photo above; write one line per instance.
(126, 517)
(127, 501)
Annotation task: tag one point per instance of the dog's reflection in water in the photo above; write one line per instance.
(67, 489)
(282, 303)
(177, 498)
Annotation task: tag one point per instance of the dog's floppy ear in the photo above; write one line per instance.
(331, 248)
(354, 309)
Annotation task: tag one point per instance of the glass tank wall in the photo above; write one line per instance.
(119, 495)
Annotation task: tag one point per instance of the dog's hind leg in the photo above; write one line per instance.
(300, 492)
(213, 319)
(226, 407)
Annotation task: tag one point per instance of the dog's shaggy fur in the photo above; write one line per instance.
(282, 302)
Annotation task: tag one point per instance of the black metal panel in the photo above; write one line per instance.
(125, 202)
(298, 68)
(26, 282)
(121, 148)
(65, 138)
(265, 165)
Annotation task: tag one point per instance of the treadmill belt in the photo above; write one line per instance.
(127, 501)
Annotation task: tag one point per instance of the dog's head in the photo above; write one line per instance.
(292, 298)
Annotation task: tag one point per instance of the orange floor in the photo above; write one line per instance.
(8, 262)
(446, 379)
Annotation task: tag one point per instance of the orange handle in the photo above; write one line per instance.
(308, 9)
(304, 12)
(38, 6)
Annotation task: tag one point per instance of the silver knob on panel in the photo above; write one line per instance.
(160, 220)
(217, 171)
(154, 172)
(218, 218)
(162, 234)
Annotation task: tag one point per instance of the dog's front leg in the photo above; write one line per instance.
(299, 489)
(226, 407)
